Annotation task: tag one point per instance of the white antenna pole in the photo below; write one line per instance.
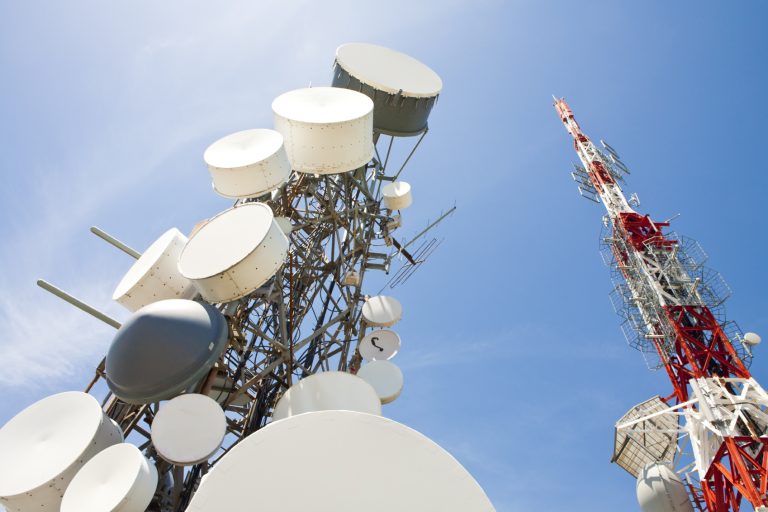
(45, 285)
(115, 242)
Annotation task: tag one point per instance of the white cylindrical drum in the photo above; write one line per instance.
(44, 446)
(119, 479)
(249, 163)
(327, 391)
(327, 130)
(659, 489)
(403, 89)
(237, 251)
(155, 275)
(397, 195)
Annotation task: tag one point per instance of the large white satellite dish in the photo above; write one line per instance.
(385, 377)
(234, 253)
(43, 447)
(397, 195)
(164, 349)
(403, 89)
(119, 479)
(342, 461)
(249, 163)
(328, 391)
(327, 130)
(379, 344)
(155, 275)
(382, 311)
(188, 429)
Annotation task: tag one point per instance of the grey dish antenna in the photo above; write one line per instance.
(164, 349)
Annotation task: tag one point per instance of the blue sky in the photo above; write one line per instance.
(512, 354)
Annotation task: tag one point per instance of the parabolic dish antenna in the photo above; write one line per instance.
(382, 311)
(403, 89)
(188, 429)
(328, 391)
(342, 461)
(234, 253)
(327, 130)
(379, 345)
(44, 446)
(164, 349)
(249, 163)
(397, 195)
(155, 275)
(119, 479)
(385, 377)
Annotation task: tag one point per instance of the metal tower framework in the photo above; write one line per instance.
(306, 319)
(672, 310)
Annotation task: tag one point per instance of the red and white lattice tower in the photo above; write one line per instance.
(713, 427)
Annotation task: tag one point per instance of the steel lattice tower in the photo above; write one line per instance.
(713, 426)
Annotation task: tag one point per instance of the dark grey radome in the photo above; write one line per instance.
(403, 89)
(163, 349)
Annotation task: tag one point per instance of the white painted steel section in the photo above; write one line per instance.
(119, 479)
(382, 311)
(44, 446)
(341, 461)
(155, 275)
(397, 195)
(385, 377)
(234, 253)
(327, 130)
(328, 391)
(249, 163)
(379, 345)
(188, 429)
(388, 70)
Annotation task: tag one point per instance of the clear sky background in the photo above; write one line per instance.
(512, 354)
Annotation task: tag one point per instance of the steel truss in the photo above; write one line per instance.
(307, 318)
(672, 307)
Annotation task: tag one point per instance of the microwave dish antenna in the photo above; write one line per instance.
(265, 316)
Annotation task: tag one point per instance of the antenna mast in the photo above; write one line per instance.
(672, 310)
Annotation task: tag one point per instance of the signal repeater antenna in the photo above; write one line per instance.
(254, 367)
(705, 446)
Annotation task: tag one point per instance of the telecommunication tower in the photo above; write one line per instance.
(252, 371)
(713, 427)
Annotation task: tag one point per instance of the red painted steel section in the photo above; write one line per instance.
(701, 350)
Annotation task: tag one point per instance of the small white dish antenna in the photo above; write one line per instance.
(751, 339)
(118, 479)
(44, 446)
(234, 253)
(155, 275)
(403, 89)
(164, 349)
(328, 391)
(249, 163)
(385, 377)
(306, 457)
(377, 345)
(188, 429)
(397, 195)
(327, 130)
(382, 311)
